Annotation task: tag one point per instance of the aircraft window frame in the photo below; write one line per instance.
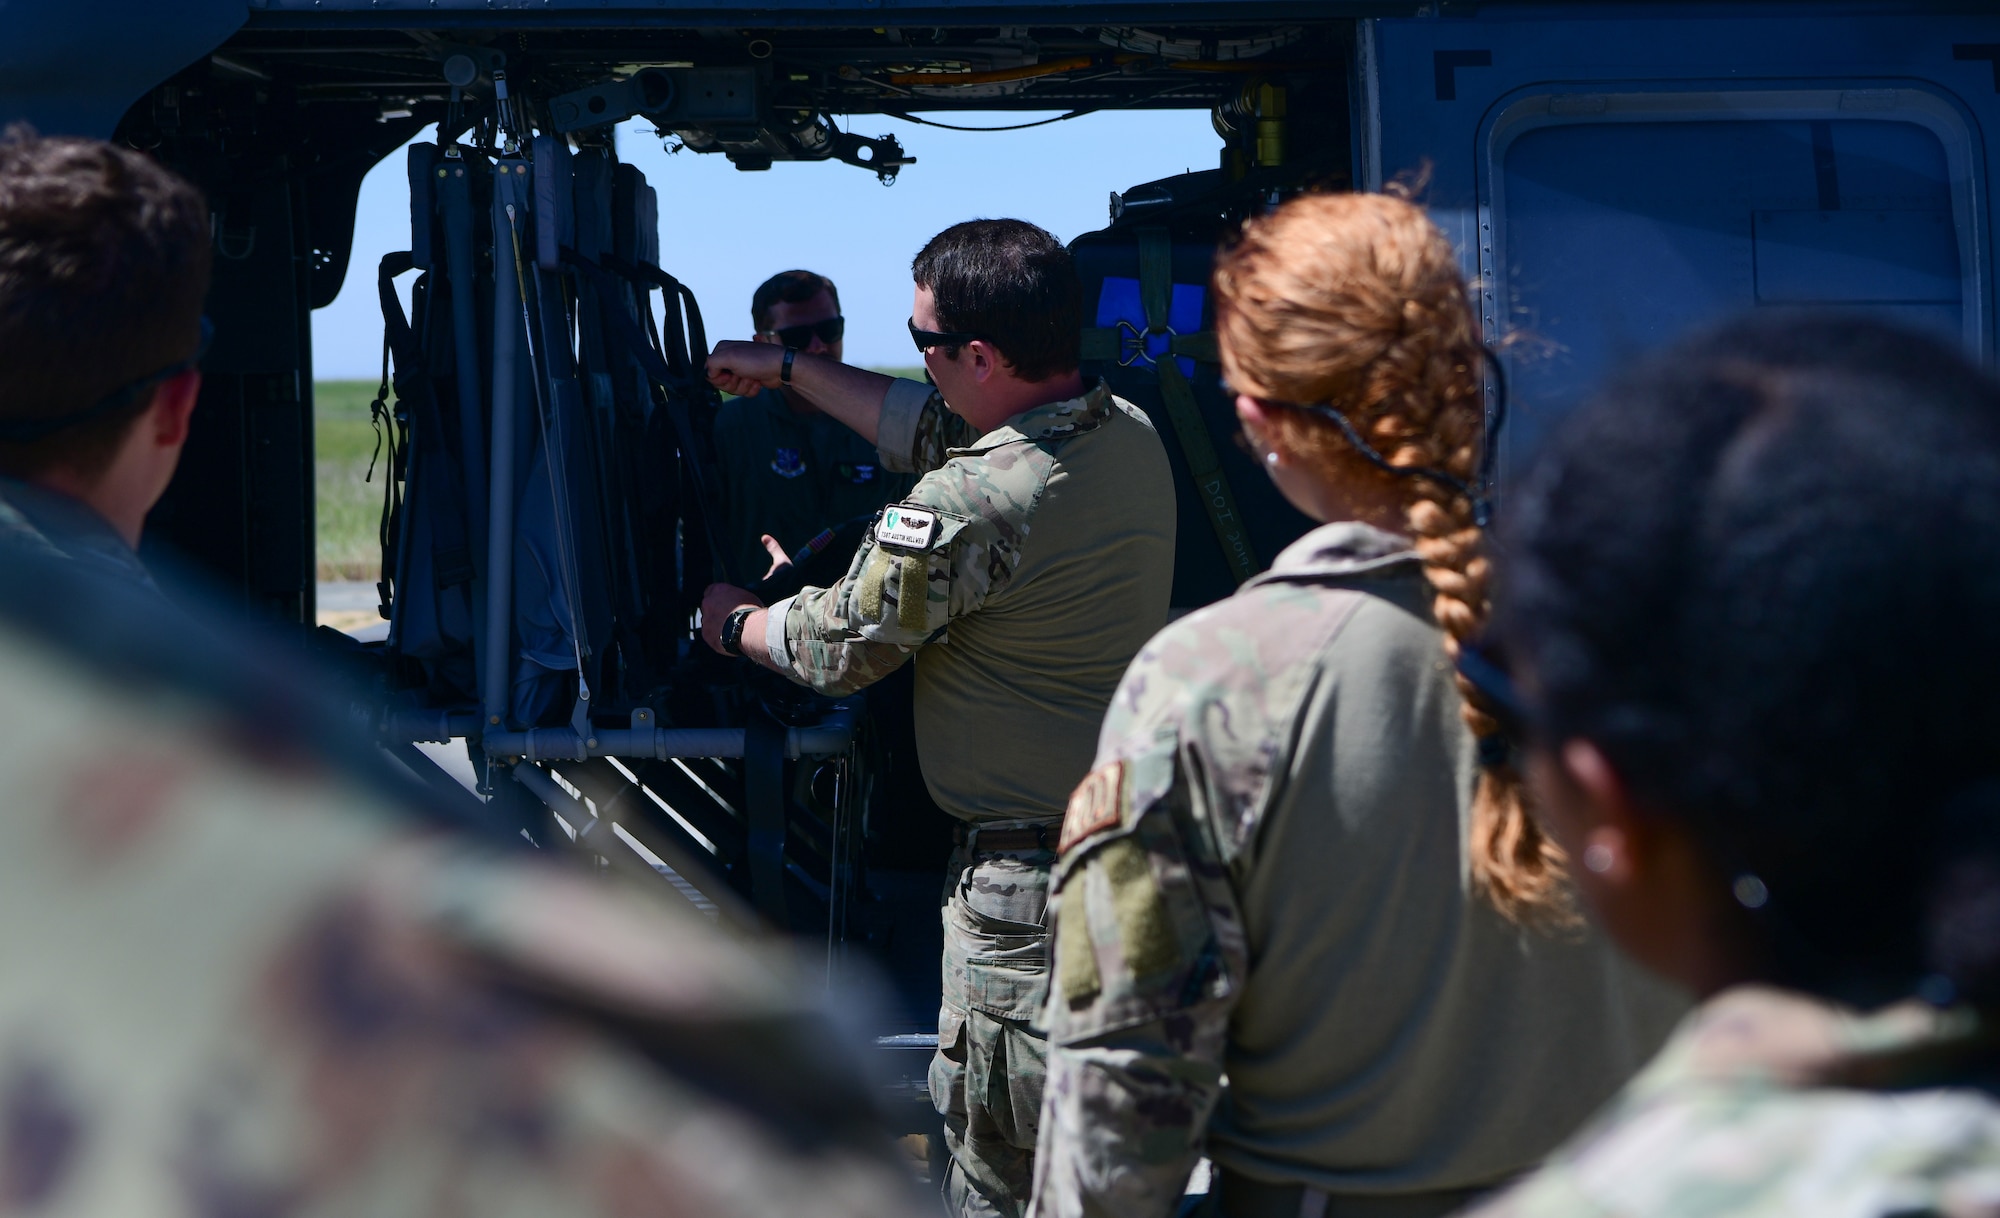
(1542, 106)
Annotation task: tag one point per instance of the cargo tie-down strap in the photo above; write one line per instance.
(1165, 346)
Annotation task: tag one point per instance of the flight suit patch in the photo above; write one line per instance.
(788, 463)
(856, 475)
(1093, 806)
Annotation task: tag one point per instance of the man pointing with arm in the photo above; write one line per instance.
(1027, 566)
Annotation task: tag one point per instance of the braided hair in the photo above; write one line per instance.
(1356, 301)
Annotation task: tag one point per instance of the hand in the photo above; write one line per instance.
(716, 605)
(745, 368)
(779, 559)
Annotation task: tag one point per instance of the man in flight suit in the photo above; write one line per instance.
(788, 469)
(1029, 563)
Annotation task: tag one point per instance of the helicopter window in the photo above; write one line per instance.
(1619, 222)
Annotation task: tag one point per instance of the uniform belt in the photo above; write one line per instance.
(1239, 1196)
(1010, 836)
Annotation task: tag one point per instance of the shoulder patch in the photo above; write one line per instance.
(1093, 806)
(906, 527)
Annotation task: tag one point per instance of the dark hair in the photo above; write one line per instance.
(792, 287)
(1761, 577)
(1012, 284)
(104, 263)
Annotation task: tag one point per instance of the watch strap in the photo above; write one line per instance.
(785, 373)
(732, 628)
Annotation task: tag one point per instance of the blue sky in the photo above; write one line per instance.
(723, 231)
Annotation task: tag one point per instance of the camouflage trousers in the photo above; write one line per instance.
(986, 1079)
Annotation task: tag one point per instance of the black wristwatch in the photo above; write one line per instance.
(732, 628)
(785, 373)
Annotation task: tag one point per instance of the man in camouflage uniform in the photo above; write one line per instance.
(1263, 882)
(787, 468)
(242, 979)
(104, 261)
(1030, 561)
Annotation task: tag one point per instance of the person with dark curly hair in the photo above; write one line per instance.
(1752, 618)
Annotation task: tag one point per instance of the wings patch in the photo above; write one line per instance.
(906, 527)
(1094, 806)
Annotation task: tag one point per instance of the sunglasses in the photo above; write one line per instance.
(798, 338)
(951, 340)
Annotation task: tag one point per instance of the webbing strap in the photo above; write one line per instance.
(1125, 345)
(1156, 285)
(678, 383)
(451, 558)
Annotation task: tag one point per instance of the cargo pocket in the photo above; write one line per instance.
(948, 1064)
(996, 947)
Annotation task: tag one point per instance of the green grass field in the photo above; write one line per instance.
(350, 509)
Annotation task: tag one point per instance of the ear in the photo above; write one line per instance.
(1612, 840)
(172, 411)
(986, 362)
(761, 337)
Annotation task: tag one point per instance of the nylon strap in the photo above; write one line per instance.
(1156, 285)
(679, 383)
(451, 556)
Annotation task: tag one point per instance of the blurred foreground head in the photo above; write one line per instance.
(240, 978)
(1752, 599)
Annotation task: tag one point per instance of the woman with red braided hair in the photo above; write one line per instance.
(1303, 923)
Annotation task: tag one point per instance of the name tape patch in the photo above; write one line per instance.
(907, 527)
(1093, 806)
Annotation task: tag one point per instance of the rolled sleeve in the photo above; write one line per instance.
(774, 633)
(896, 434)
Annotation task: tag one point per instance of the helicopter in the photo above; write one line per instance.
(1612, 175)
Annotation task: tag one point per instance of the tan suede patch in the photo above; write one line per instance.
(1076, 954)
(1145, 929)
(913, 591)
(868, 595)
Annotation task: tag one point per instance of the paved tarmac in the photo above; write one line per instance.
(352, 607)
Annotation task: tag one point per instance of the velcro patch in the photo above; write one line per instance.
(1093, 806)
(906, 527)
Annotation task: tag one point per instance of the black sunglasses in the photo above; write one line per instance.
(798, 338)
(27, 431)
(951, 339)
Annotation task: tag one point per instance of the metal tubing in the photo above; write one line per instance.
(597, 834)
(455, 200)
(497, 685)
(824, 739)
(429, 726)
